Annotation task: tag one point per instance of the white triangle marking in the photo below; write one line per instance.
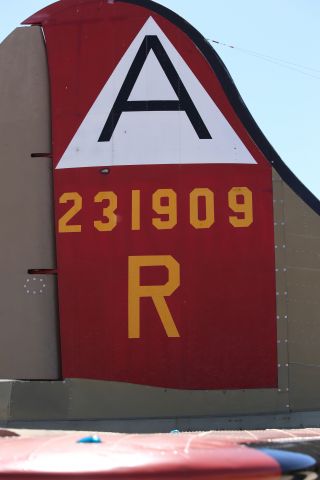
(142, 138)
(152, 83)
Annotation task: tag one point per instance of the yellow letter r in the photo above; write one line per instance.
(156, 292)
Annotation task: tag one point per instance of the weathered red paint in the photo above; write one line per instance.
(225, 306)
(192, 456)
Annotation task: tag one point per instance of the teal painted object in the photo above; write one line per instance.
(90, 439)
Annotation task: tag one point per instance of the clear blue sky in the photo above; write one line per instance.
(285, 102)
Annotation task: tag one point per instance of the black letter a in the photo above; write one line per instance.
(151, 42)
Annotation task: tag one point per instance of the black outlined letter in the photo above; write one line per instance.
(184, 102)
